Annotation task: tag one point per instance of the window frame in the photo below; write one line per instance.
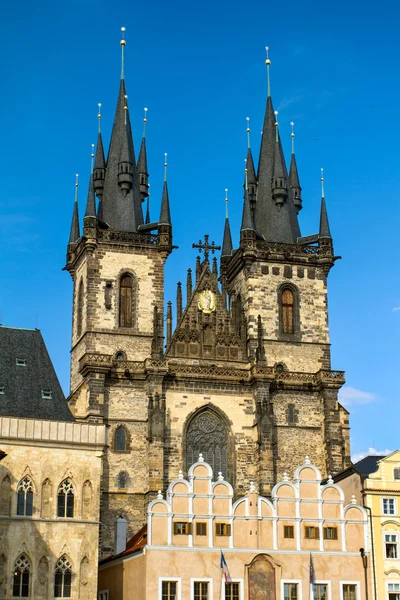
(315, 528)
(222, 528)
(177, 580)
(104, 595)
(238, 580)
(67, 505)
(176, 525)
(27, 569)
(209, 580)
(296, 335)
(335, 536)
(396, 471)
(126, 446)
(63, 571)
(389, 514)
(348, 582)
(326, 582)
(133, 299)
(299, 587)
(200, 524)
(395, 543)
(288, 537)
(20, 492)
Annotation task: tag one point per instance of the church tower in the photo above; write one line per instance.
(244, 378)
(117, 268)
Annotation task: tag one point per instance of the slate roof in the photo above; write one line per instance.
(22, 385)
(363, 467)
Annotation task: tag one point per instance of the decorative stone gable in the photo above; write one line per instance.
(206, 329)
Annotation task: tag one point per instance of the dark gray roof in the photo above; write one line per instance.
(367, 465)
(74, 233)
(251, 173)
(91, 201)
(324, 230)
(165, 213)
(227, 240)
(247, 217)
(293, 173)
(142, 160)
(23, 385)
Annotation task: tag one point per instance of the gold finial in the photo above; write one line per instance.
(268, 63)
(276, 125)
(76, 187)
(322, 183)
(92, 159)
(165, 166)
(145, 121)
(226, 203)
(99, 117)
(248, 131)
(292, 136)
(123, 44)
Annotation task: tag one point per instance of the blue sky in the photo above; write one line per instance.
(199, 68)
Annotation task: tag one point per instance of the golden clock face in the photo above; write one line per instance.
(207, 302)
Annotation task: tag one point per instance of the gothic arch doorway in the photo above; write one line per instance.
(207, 432)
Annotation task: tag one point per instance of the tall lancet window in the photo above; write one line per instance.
(79, 309)
(126, 301)
(287, 301)
(207, 434)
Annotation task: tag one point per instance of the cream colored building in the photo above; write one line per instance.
(375, 482)
(267, 543)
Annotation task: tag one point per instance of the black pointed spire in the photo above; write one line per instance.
(276, 222)
(324, 230)
(250, 182)
(165, 213)
(121, 205)
(99, 171)
(148, 210)
(247, 216)
(75, 232)
(294, 181)
(142, 171)
(279, 181)
(91, 201)
(227, 240)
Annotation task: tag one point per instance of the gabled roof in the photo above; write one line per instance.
(134, 545)
(29, 386)
(363, 467)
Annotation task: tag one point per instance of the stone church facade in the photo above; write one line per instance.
(245, 376)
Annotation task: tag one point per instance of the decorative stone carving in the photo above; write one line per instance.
(207, 434)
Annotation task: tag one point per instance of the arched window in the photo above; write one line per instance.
(63, 578)
(65, 499)
(207, 434)
(287, 303)
(126, 290)
(79, 309)
(396, 473)
(22, 570)
(25, 497)
(120, 440)
(122, 480)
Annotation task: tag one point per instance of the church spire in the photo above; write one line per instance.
(279, 181)
(142, 171)
(250, 179)
(99, 171)
(324, 230)
(121, 205)
(294, 182)
(165, 213)
(227, 240)
(275, 221)
(91, 201)
(75, 233)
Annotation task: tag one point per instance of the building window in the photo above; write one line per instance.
(311, 533)
(182, 528)
(103, 595)
(290, 591)
(222, 529)
(65, 499)
(25, 497)
(207, 434)
(168, 590)
(396, 473)
(122, 480)
(21, 577)
(291, 416)
(320, 591)
(47, 395)
(394, 591)
(79, 309)
(391, 545)
(232, 591)
(349, 591)
(120, 440)
(330, 533)
(288, 531)
(201, 528)
(20, 362)
(126, 297)
(200, 590)
(287, 302)
(388, 506)
(2, 389)
(63, 578)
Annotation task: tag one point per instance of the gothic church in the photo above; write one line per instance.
(245, 378)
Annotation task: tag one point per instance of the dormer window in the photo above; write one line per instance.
(47, 394)
(2, 389)
(20, 362)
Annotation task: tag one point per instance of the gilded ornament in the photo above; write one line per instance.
(207, 302)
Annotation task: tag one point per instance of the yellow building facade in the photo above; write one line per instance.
(269, 545)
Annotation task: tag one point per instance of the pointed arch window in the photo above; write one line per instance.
(120, 440)
(287, 300)
(65, 499)
(79, 310)
(122, 480)
(25, 497)
(63, 578)
(207, 434)
(22, 569)
(126, 301)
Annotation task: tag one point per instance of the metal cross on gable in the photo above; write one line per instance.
(206, 246)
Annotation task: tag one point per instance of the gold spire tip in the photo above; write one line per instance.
(123, 40)
(99, 113)
(276, 118)
(267, 60)
(292, 136)
(76, 180)
(92, 154)
(322, 183)
(165, 165)
(145, 115)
